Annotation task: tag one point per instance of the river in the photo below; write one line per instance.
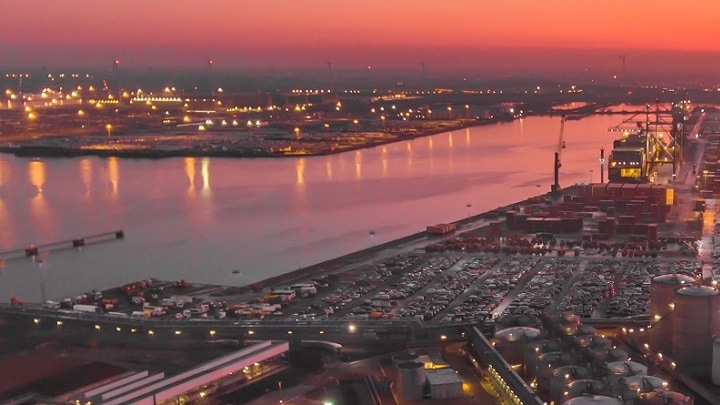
(236, 221)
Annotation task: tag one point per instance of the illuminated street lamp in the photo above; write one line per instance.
(297, 133)
(109, 130)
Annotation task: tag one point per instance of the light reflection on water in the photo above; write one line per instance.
(267, 216)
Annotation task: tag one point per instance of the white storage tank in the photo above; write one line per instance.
(593, 341)
(545, 365)
(578, 330)
(665, 398)
(404, 357)
(568, 323)
(593, 400)
(607, 355)
(511, 321)
(662, 303)
(585, 330)
(564, 375)
(511, 342)
(696, 320)
(619, 369)
(715, 377)
(411, 380)
(582, 387)
(533, 350)
(640, 384)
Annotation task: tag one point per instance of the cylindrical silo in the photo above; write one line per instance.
(404, 357)
(535, 349)
(511, 342)
(562, 376)
(545, 365)
(511, 321)
(619, 369)
(568, 323)
(665, 398)
(593, 400)
(640, 384)
(696, 320)
(585, 330)
(606, 355)
(582, 387)
(569, 318)
(411, 380)
(578, 330)
(594, 341)
(716, 361)
(662, 298)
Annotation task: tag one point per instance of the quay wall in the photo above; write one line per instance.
(328, 266)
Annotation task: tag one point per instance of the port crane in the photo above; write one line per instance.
(555, 188)
(646, 145)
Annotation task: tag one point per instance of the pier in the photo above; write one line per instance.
(35, 250)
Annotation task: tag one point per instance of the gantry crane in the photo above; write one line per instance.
(646, 145)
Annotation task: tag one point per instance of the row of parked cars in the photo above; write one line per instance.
(486, 296)
(632, 292)
(590, 287)
(446, 289)
(540, 291)
(369, 279)
(410, 282)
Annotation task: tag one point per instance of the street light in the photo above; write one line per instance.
(43, 294)
(237, 272)
(109, 130)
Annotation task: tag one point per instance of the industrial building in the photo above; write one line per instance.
(217, 376)
(425, 376)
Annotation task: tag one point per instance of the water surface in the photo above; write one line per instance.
(202, 218)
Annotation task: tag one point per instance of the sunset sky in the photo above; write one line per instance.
(352, 34)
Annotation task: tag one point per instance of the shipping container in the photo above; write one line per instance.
(87, 308)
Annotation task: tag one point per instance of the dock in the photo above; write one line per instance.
(35, 250)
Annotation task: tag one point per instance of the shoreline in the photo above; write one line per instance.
(369, 254)
(30, 150)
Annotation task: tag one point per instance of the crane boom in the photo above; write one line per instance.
(561, 145)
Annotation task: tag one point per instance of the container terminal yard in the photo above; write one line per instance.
(593, 293)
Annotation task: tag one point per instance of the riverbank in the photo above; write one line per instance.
(405, 244)
(225, 144)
